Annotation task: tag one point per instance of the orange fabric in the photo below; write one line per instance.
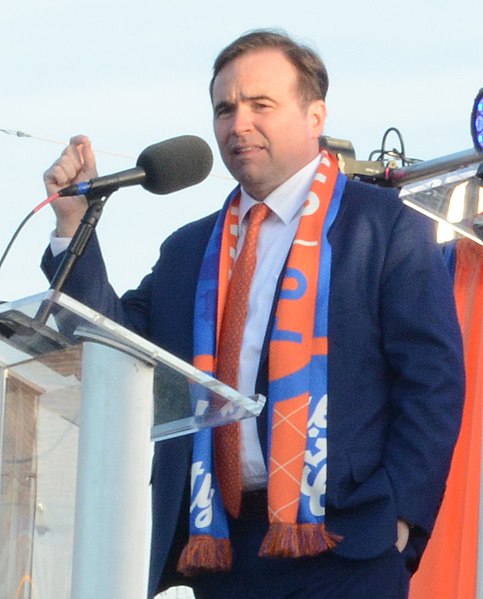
(229, 240)
(449, 566)
(227, 438)
(289, 423)
(216, 292)
(296, 313)
(320, 346)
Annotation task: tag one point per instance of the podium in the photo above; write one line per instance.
(81, 400)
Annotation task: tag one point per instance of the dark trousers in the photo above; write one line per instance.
(327, 576)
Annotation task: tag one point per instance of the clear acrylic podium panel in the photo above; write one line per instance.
(40, 400)
(453, 199)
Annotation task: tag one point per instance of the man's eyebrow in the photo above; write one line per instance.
(223, 104)
(258, 98)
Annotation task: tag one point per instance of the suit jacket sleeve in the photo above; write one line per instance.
(87, 281)
(161, 307)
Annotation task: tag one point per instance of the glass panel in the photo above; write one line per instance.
(38, 465)
(19, 488)
(453, 199)
(40, 399)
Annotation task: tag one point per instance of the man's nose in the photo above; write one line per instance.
(242, 120)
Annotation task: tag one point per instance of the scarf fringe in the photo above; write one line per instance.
(297, 540)
(205, 553)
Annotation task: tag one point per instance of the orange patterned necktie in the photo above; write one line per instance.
(227, 438)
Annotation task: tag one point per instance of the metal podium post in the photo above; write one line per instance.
(110, 533)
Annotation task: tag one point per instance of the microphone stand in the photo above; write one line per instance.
(96, 201)
(32, 335)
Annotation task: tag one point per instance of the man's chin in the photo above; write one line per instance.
(251, 182)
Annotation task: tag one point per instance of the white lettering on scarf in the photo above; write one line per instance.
(314, 475)
(311, 205)
(202, 499)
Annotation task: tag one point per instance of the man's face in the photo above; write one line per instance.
(264, 131)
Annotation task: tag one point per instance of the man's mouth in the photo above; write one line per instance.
(246, 149)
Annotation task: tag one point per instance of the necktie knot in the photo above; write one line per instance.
(257, 214)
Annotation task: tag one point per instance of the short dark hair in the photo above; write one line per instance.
(313, 80)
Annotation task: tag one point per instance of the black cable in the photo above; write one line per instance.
(22, 224)
(401, 141)
(383, 154)
(14, 237)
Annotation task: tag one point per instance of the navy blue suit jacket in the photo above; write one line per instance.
(395, 373)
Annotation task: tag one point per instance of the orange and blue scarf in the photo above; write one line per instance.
(297, 395)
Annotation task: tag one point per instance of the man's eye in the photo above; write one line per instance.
(223, 111)
(262, 106)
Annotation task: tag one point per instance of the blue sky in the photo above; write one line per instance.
(131, 74)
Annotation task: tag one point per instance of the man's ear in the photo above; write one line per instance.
(317, 113)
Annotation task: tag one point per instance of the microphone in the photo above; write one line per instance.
(161, 168)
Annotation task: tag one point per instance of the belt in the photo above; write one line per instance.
(254, 505)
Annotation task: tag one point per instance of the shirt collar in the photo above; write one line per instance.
(287, 199)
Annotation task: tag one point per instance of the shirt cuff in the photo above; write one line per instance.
(58, 244)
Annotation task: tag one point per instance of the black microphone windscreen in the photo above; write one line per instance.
(175, 163)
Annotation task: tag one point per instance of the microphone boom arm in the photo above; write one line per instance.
(87, 226)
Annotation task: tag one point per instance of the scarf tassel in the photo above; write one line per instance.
(297, 540)
(205, 553)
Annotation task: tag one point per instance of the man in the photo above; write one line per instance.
(350, 331)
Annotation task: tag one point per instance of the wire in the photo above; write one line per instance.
(47, 201)
(13, 132)
(385, 155)
(16, 133)
(22, 224)
(400, 137)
